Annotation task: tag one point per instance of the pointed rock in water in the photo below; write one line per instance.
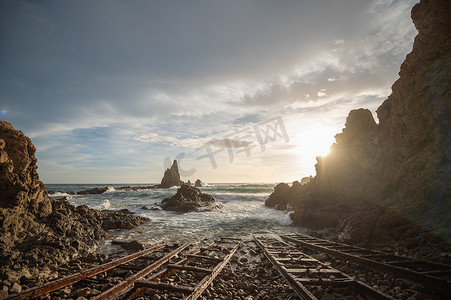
(190, 198)
(198, 183)
(171, 176)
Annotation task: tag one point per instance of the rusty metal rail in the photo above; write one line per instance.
(432, 275)
(141, 274)
(307, 275)
(74, 278)
(209, 255)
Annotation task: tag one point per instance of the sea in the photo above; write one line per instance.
(243, 214)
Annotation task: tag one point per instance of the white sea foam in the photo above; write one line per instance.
(59, 194)
(243, 212)
(105, 204)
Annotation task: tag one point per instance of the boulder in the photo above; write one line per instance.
(188, 199)
(171, 177)
(278, 196)
(132, 245)
(198, 183)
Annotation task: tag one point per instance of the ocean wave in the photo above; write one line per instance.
(59, 194)
(106, 204)
(110, 189)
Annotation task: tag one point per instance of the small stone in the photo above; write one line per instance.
(84, 292)
(15, 288)
(156, 297)
(66, 291)
(244, 260)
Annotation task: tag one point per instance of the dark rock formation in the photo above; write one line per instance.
(377, 176)
(198, 183)
(35, 230)
(171, 176)
(190, 198)
(278, 198)
(135, 188)
(23, 199)
(93, 191)
(306, 180)
(132, 245)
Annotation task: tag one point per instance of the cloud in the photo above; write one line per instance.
(229, 143)
(156, 77)
(321, 93)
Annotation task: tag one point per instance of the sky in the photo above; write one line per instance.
(236, 91)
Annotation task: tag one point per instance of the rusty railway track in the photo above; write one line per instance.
(215, 257)
(185, 273)
(51, 286)
(150, 268)
(307, 275)
(432, 275)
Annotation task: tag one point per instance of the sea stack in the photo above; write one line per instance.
(198, 183)
(171, 176)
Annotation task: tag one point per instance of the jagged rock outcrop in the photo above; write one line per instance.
(171, 177)
(306, 180)
(22, 198)
(198, 183)
(380, 175)
(94, 191)
(189, 198)
(36, 231)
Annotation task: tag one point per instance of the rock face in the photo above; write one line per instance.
(379, 175)
(198, 183)
(171, 176)
(34, 229)
(190, 198)
(22, 198)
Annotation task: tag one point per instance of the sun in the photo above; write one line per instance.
(316, 146)
(313, 142)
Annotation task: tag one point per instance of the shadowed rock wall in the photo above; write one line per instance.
(397, 171)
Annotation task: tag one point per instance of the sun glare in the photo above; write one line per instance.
(314, 142)
(317, 146)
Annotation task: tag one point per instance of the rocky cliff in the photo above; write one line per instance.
(37, 232)
(171, 176)
(395, 172)
(23, 199)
